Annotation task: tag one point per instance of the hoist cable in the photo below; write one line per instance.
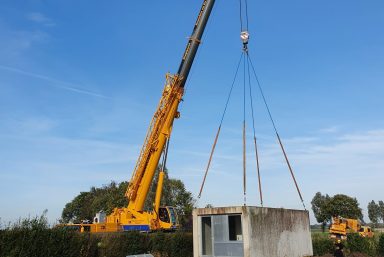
(230, 91)
(244, 140)
(242, 28)
(219, 129)
(241, 15)
(277, 134)
(254, 132)
(246, 13)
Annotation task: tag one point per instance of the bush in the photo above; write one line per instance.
(380, 247)
(356, 243)
(181, 245)
(321, 244)
(125, 243)
(160, 243)
(41, 242)
(28, 240)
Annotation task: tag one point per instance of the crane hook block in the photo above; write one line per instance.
(244, 35)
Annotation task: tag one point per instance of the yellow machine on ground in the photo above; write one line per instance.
(133, 217)
(340, 227)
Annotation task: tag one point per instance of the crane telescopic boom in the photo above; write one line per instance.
(194, 41)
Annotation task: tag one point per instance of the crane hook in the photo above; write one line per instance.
(244, 35)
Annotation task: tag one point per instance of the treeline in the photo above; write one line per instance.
(34, 238)
(325, 207)
(376, 212)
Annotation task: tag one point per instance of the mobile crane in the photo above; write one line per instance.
(133, 217)
(340, 227)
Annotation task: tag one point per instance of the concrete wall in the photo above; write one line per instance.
(278, 232)
(266, 232)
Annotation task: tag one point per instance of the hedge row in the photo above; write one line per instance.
(34, 238)
(60, 242)
(322, 245)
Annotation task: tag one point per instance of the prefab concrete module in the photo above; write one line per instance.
(247, 231)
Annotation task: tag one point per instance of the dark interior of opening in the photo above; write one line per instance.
(163, 214)
(234, 228)
(206, 235)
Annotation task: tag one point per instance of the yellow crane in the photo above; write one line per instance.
(133, 217)
(340, 227)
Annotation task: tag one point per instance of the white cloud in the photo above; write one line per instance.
(40, 18)
(15, 42)
(37, 125)
(332, 129)
(54, 82)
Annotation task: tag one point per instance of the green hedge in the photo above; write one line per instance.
(61, 242)
(321, 243)
(380, 246)
(46, 242)
(34, 238)
(356, 243)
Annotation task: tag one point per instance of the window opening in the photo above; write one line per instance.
(234, 228)
(206, 235)
(163, 215)
(173, 215)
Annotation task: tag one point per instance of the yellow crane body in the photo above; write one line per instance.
(341, 227)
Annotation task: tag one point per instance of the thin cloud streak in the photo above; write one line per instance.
(64, 85)
(40, 18)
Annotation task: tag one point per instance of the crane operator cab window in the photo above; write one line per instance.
(163, 214)
(168, 214)
(173, 215)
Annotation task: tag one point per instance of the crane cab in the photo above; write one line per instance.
(365, 231)
(168, 218)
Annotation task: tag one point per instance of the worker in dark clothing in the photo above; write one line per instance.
(339, 249)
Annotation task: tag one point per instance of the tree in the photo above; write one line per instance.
(344, 206)
(381, 210)
(373, 212)
(85, 205)
(325, 207)
(319, 206)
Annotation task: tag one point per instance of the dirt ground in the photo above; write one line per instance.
(351, 255)
(358, 255)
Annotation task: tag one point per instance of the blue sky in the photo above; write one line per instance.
(80, 80)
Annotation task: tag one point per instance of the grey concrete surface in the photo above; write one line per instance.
(251, 232)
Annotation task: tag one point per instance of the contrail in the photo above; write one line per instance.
(55, 83)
